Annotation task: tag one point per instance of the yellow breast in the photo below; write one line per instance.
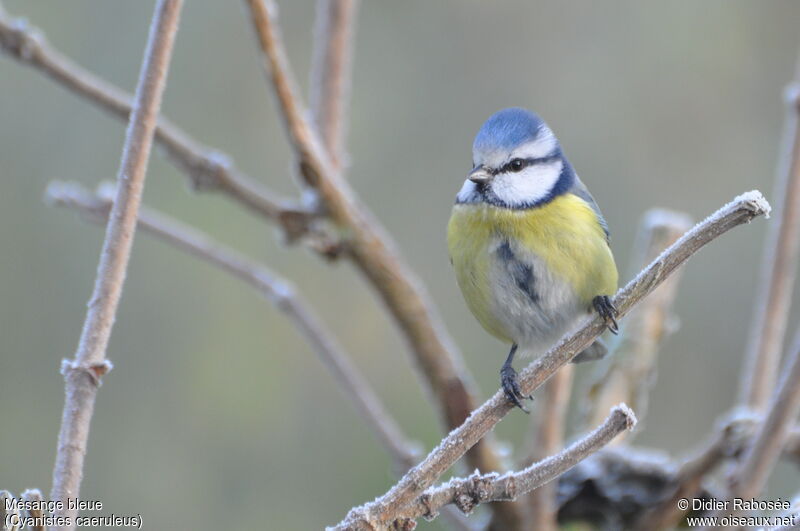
(565, 234)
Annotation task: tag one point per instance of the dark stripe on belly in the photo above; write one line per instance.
(520, 272)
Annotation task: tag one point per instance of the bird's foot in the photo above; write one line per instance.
(508, 378)
(606, 309)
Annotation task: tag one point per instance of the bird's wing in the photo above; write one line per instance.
(579, 189)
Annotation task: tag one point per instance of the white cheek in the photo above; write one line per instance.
(530, 185)
(467, 192)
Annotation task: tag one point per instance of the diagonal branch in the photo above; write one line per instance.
(331, 74)
(778, 268)
(741, 210)
(370, 247)
(468, 493)
(277, 290)
(773, 432)
(726, 442)
(207, 169)
(83, 373)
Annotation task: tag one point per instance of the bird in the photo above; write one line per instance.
(528, 243)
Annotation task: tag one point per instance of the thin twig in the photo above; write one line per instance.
(277, 290)
(628, 375)
(207, 169)
(792, 450)
(778, 270)
(468, 493)
(331, 74)
(34, 497)
(762, 454)
(7, 517)
(741, 210)
(725, 443)
(371, 248)
(83, 374)
(549, 439)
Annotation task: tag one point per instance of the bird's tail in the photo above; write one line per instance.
(593, 352)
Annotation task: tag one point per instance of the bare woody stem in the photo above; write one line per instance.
(370, 247)
(34, 496)
(330, 73)
(277, 290)
(762, 454)
(549, 439)
(741, 210)
(83, 373)
(630, 372)
(467, 493)
(724, 443)
(207, 169)
(778, 269)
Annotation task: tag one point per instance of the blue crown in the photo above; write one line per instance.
(507, 129)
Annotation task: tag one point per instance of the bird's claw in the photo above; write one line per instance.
(606, 309)
(508, 378)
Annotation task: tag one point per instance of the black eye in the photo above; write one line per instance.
(516, 165)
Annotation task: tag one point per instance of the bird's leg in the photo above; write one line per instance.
(607, 311)
(508, 378)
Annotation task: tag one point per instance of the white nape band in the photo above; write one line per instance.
(540, 147)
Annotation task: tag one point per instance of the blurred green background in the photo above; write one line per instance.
(217, 414)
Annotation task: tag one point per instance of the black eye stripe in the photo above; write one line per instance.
(509, 166)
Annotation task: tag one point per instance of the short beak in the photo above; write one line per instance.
(479, 175)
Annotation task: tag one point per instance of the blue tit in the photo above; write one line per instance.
(528, 243)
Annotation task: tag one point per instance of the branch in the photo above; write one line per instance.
(468, 493)
(33, 496)
(727, 442)
(628, 375)
(331, 73)
(277, 290)
(792, 449)
(371, 248)
(741, 210)
(207, 169)
(8, 516)
(83, 374)
(778, 269)
(548, 440)
(773, 433)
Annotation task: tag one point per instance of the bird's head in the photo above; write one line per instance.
(516, 162)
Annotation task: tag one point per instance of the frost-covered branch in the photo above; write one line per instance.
(772, 434)
(331, 74)
(468, 493)
(83, 374)
(6, 515)
(778, 268)
(741, 210)
(726, 442)
(207, 169)
(280, 292)
(34, 497)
